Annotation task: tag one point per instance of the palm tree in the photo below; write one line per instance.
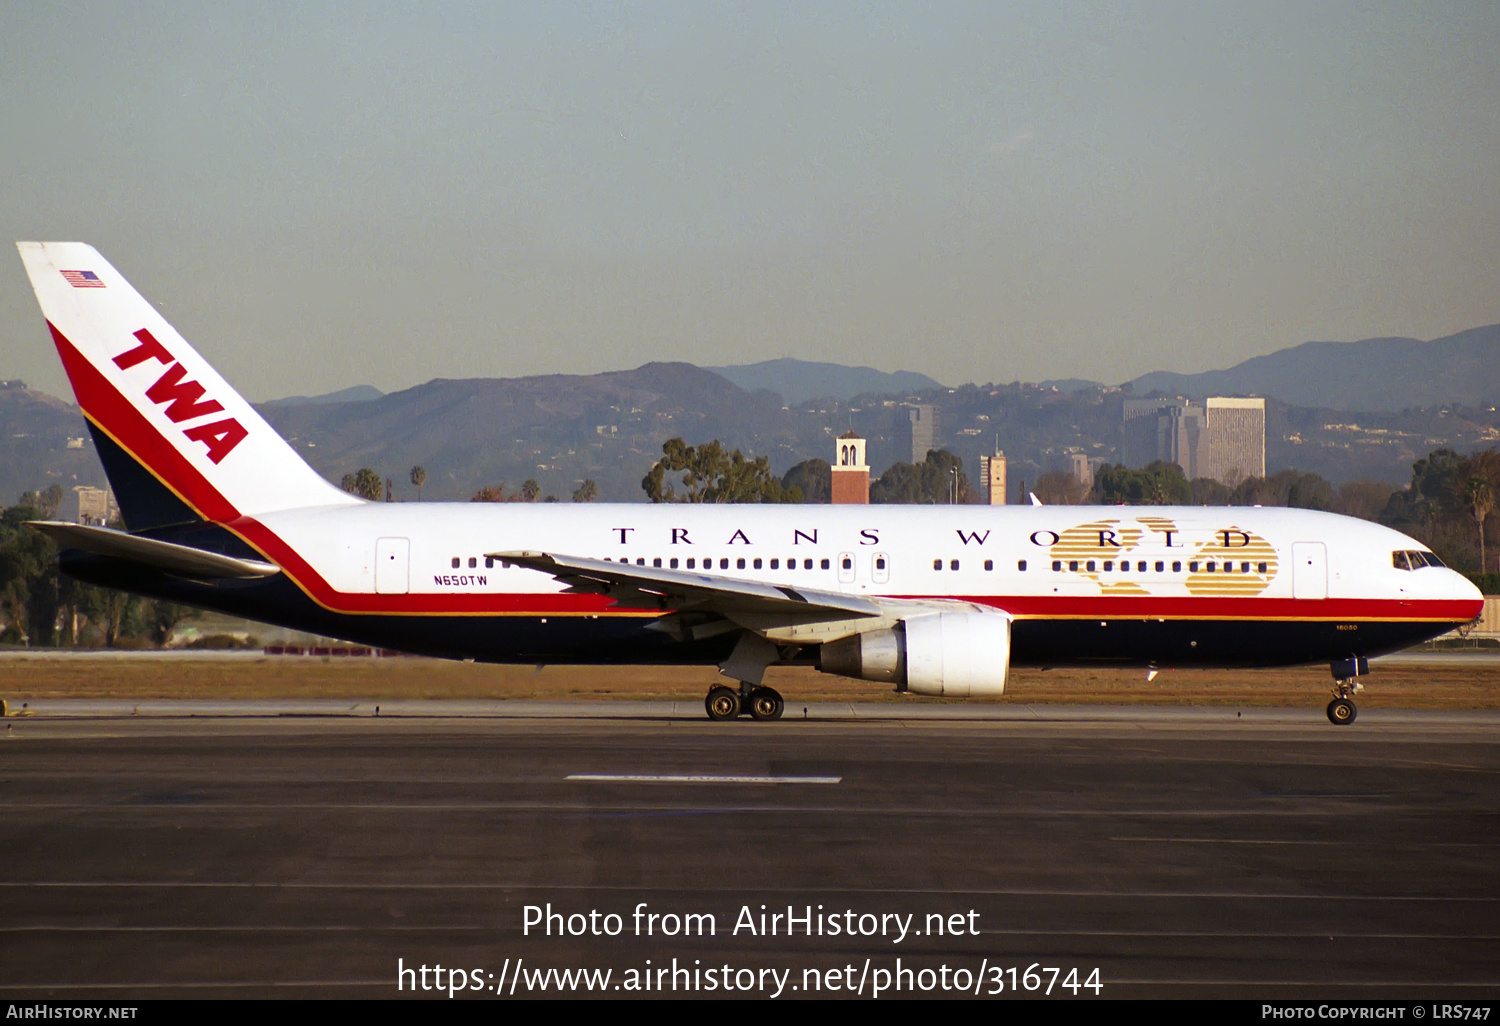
(1479, 497)
(418, 478)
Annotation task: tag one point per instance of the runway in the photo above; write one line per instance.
(252, 849)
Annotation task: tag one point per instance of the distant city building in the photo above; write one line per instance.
(850, 472)
(91, 506)
(992, 479)
(1236, 440)
(1083, 469)
(1221, 438)
(924, 431)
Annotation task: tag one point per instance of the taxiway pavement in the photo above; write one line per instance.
(268, 849)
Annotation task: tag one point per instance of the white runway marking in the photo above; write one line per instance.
(696, 778)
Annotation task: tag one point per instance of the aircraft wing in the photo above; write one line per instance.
(181, 560)
(685, 591)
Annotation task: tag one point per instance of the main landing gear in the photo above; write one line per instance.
(1346, 674)
(747, 665)
(761, 703)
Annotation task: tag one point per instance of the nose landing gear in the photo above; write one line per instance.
(1341, 712)
(1346, 674)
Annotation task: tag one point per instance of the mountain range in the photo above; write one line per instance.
(1373, 374)
(797, 381)
(561, 429)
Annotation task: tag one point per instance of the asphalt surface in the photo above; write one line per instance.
(315, 849)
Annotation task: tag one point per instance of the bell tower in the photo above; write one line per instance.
(851, 475)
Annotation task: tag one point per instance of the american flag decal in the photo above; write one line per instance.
(83, 279)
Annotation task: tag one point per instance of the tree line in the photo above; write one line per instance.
(369, 485)
(41, 607)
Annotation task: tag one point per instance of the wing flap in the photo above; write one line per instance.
(686, 591)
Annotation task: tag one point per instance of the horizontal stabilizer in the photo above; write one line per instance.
(181, 560)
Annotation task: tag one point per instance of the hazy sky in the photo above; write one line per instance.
(324, 195)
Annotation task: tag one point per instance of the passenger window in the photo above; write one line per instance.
(1089, 566)
(1021, 565)
(1260, 568)
(775, 564)
(757, 562)
(673, 563)
(989, 564)
(656, 562)
(1176, 567)
(473, 562)
(937, 564)
(641, 561)
(807, 564)
(1073, 565)
(1193, 567)
(455, 562)
(1057, 564)
(1244, 568)
(739, 564)
(1109, 565)
(692, 563)
(1211, 565)
(825, 564)
(489, 562)
(952, 564)
(724, 563)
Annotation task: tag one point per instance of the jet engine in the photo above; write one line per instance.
(953, 655)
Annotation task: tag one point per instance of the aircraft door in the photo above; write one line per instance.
(1309, 570)
(880, 568)
(392, 566)
(846, 568)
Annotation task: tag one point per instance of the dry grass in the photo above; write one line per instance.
(1454, 686)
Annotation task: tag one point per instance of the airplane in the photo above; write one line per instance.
(220, 512)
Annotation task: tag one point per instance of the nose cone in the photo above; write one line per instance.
(1465, 591)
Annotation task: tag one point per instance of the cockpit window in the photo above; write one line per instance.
(1414, 560)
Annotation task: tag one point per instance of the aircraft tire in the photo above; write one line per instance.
(766, 704)
(1341, 712)
(722, 704)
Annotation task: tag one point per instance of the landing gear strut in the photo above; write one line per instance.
(747, 665)
(1346, 674)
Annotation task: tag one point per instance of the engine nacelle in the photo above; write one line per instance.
(952, 655)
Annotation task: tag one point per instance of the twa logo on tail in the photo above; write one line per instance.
(182, 398)
(158, 401)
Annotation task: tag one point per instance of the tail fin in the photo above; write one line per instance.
(177, 442)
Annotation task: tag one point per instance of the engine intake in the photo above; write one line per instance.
(952, 655)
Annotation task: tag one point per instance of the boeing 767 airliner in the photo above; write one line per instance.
(934, 600)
